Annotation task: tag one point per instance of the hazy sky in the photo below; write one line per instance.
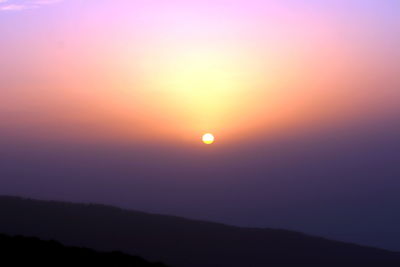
(106, 101)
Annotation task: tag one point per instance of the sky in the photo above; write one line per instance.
(106, 101)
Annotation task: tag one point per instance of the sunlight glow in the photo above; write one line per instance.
(208, 138)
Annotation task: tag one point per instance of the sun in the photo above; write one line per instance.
(208, 138)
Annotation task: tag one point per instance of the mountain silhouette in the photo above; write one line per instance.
(29, 251)
(177, 241)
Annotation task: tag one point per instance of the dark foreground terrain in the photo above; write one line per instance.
(177, 241)
(28, 251)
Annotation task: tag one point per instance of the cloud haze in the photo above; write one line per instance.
(15, 5)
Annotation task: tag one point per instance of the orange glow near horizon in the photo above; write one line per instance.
(172, 71)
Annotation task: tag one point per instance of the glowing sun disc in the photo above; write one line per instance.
(208, 138)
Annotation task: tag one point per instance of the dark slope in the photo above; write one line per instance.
(29, 251)
(177, 241)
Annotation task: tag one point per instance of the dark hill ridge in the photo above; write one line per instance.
(29, 251)
(177, 241)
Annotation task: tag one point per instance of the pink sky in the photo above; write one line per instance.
(173, 70)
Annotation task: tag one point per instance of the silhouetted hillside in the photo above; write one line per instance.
(178, 241)
(29, 251)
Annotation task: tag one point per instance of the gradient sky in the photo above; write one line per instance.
(106, 101)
